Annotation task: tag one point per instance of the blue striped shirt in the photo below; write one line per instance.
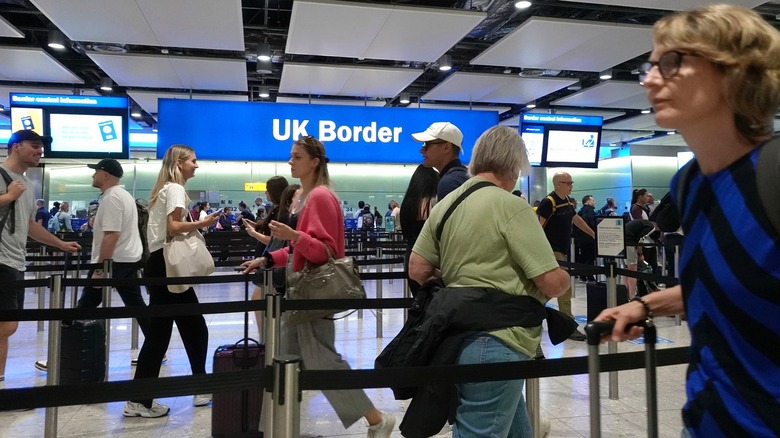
(730, 277)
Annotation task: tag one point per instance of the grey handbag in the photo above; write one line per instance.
(335, 279)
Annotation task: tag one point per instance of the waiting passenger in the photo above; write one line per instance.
(442, 142)
(167, 216)
(506, 252)
(321, 223)
(415, 208)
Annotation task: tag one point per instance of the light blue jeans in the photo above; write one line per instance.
(490, 409)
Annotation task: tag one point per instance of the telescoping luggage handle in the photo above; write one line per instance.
(594, 330)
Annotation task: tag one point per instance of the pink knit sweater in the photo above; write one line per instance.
(320, 221)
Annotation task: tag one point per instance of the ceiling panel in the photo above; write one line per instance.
(174, 72)
(643, 122)
(567, 45)
(8, 30)
(609, 94)
(209, 24)
(614, 137)
(499, 109)
(668, 5)
(345, 80)
(492, 88)
(148, 99)
(387, 32)
(33, 65)
(340, 102)
(664, 140)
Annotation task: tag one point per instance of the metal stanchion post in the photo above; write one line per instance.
(273, 319)
(108, 266)
(407, 294)
(53, 364)
(532, 404)
(287, 396)
(650, 379)
(677, 318)
(74, 290)
(360, 271)
(572, 278)
(379, 312)
(39, 289)
(612, 346)
(134, 327)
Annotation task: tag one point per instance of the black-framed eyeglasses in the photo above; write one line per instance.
(668, 65)
(428, 144)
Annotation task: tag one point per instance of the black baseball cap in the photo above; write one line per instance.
(28, 135)
(110, 165)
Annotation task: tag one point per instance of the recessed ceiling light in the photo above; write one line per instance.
(523, 4)
(106, 84)
(646, 111)
(56, 40)
(606, 74)
(445, 63)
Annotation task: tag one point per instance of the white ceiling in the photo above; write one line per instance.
(161, 71)
(567, 45)
(363, 30)
(148, 100)
(211, 24)
(8, 30)
(493, 88)
(33, 65)
(336, 80)
(672, 5)
(608, 94)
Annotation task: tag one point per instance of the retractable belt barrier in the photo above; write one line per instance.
(579, 269)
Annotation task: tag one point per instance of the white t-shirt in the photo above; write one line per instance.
(117, 212)
(396, 219)
(13, 247)
(171, 197)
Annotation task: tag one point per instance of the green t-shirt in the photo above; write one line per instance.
(493, 239)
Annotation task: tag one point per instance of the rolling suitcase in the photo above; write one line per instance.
(237, 413)
(83, 352)
(597, 297)
(594, 331)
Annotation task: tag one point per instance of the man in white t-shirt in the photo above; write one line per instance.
(115, 236)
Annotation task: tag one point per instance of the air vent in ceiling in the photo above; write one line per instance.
(109, 48)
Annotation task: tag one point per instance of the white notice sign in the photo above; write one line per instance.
(610, 241)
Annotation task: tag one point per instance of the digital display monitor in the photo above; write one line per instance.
(559, 140)
(86, 127)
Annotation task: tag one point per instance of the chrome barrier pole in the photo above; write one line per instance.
(379, 312)
(361, 268)
(53, 364)
(407, 294)
(611, 345)
(532, 405)
(273, 320)
(572, 279)
(108, 266)
(677, 318)
(287, 396)
(134, 325)
(650, 379)
(39, 289)
(74, 290)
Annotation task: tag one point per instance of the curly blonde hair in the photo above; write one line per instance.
(747, 50)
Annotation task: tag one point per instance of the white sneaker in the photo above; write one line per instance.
(134, 359)
(42, 365)
(383, 429)
(201, 399)
(133, 409)
(545, 426)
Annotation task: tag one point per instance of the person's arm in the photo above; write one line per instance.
(582, 225)
(13, 192)
(552, 283)
(40, 234)
(662, 303)
(420, 270)
(108, 245)
(176, 225)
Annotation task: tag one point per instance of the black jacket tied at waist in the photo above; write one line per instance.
(439, 320)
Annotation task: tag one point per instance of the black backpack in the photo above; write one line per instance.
(368, 221)
(665, 215)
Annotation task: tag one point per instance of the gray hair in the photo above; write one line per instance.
(500, 150)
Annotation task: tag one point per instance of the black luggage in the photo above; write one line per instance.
(594, 331)
(597, 297)
(237, 413)
(83, 352)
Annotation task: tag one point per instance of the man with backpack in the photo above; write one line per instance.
(17, 222)
(556, 214)
(116, 236)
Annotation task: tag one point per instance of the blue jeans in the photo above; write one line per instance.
(490, 409)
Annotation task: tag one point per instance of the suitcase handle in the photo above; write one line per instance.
(243, 357)
(594, 330)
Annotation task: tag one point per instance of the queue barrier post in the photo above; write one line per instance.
(532, 405)
(39, 289)
(53, 364)
(677, 318)
(611, 345)
(74, 289)
(273, 318)
(135, 328)
(108, 267)
(572, 279)
(286, 396)
(379, 312)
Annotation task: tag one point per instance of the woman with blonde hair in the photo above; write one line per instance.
(168, 216)
(320, 223)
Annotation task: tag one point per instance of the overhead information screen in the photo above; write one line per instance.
(559, 140)
(85, 127)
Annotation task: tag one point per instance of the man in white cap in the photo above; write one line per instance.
(442, 142)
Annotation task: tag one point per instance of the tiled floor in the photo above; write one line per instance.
(564, 400)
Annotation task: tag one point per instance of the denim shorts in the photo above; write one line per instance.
(11, 297)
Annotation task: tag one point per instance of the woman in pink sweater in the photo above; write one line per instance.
(321, 221)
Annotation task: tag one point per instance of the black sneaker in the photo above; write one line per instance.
(577, 335)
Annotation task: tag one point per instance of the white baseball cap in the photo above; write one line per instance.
(441, 131)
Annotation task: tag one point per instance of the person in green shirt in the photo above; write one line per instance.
(505, 250)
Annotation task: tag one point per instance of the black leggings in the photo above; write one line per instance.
(192, 328)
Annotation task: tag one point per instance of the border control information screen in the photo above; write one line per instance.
(558, 140)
